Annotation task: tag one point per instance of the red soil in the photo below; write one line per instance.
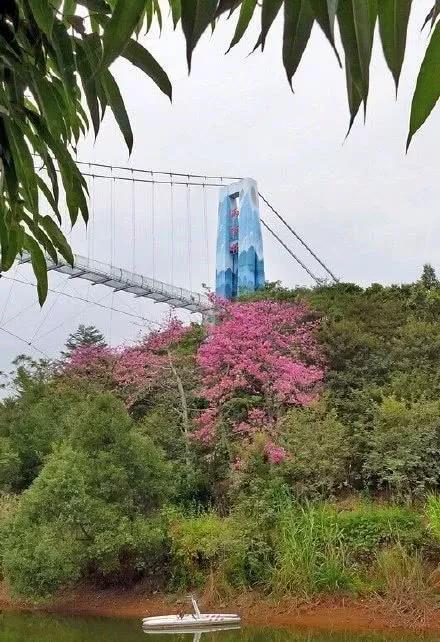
(329, 614)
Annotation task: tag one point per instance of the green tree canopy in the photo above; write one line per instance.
(84, 336)
(91, 505)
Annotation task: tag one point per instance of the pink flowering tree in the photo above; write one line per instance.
(258, 360)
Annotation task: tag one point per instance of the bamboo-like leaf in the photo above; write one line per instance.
(176, 11)
(119, 28)
(14, 244)
(23, 164)
(38, 265)
(393, 27)
(427, 90)
(98, 6)
(325, 14)
(41, 237)
(227, 5)
(57, 238)
(4, 236)
(158, 14)
(89, 85)
(356, 25)
(50, 106)
(117, 106)
(69, 8)
(247, 10)
(49, 197)
(354, 97)
(43, 13)
(74, 183)
(298, 23)
(64, 52)
(432, 15)
(269, 12)
(141, 58)
(196, 16)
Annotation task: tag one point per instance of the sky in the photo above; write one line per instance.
(368, 209)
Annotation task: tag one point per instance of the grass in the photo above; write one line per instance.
(310, 554)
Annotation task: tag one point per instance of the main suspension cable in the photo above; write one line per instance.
(298, 260)
(297, 236)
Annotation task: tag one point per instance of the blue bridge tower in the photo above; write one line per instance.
(239, 261)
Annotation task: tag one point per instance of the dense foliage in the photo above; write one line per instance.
(293, 447)
(55, 80)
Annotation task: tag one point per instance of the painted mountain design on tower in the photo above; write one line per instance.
(240, 260)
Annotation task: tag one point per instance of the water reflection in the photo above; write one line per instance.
(43, 628)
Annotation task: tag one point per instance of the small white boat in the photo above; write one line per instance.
(192, 621)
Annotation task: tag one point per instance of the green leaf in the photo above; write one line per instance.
(57, 238)
(50, 106)
(432, 15)
(63, 47)
(247, 10)
(74, 183)
(269, 12)
(176, 11)
(427, 90)
(117, 106)
(49, 197)
(69, 8)
(393, 27)
(356, 25)
(41, 237)
(196, 16)
(38, 265)
(100, 6)
(298, 23)
(9, 253)
(120, 28)
(44, 15)
(89, 85)
(23, 163)
(227, 5)
(325, 14)
(141, 58)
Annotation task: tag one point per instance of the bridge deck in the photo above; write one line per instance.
(125, 281)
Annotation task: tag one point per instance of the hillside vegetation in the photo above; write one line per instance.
(292, 448)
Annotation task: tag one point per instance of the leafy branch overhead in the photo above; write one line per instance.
(55, 82)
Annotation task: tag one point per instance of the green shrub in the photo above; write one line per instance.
(320, 450)
(370, 526)
(201, 544)
(404, 453)
(84, 515)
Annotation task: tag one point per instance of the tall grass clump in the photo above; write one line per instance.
(310, 556)
(402, 576)
(8, 508)
(433, 512)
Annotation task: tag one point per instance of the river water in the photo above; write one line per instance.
(43, 628)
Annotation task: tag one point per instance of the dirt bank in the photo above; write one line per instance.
(330, 614)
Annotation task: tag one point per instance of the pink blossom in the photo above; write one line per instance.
(264, 349)
(275, 454)
(131, 370)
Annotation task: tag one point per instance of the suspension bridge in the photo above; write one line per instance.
(154, 235)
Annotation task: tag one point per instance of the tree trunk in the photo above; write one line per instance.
(183, 404)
